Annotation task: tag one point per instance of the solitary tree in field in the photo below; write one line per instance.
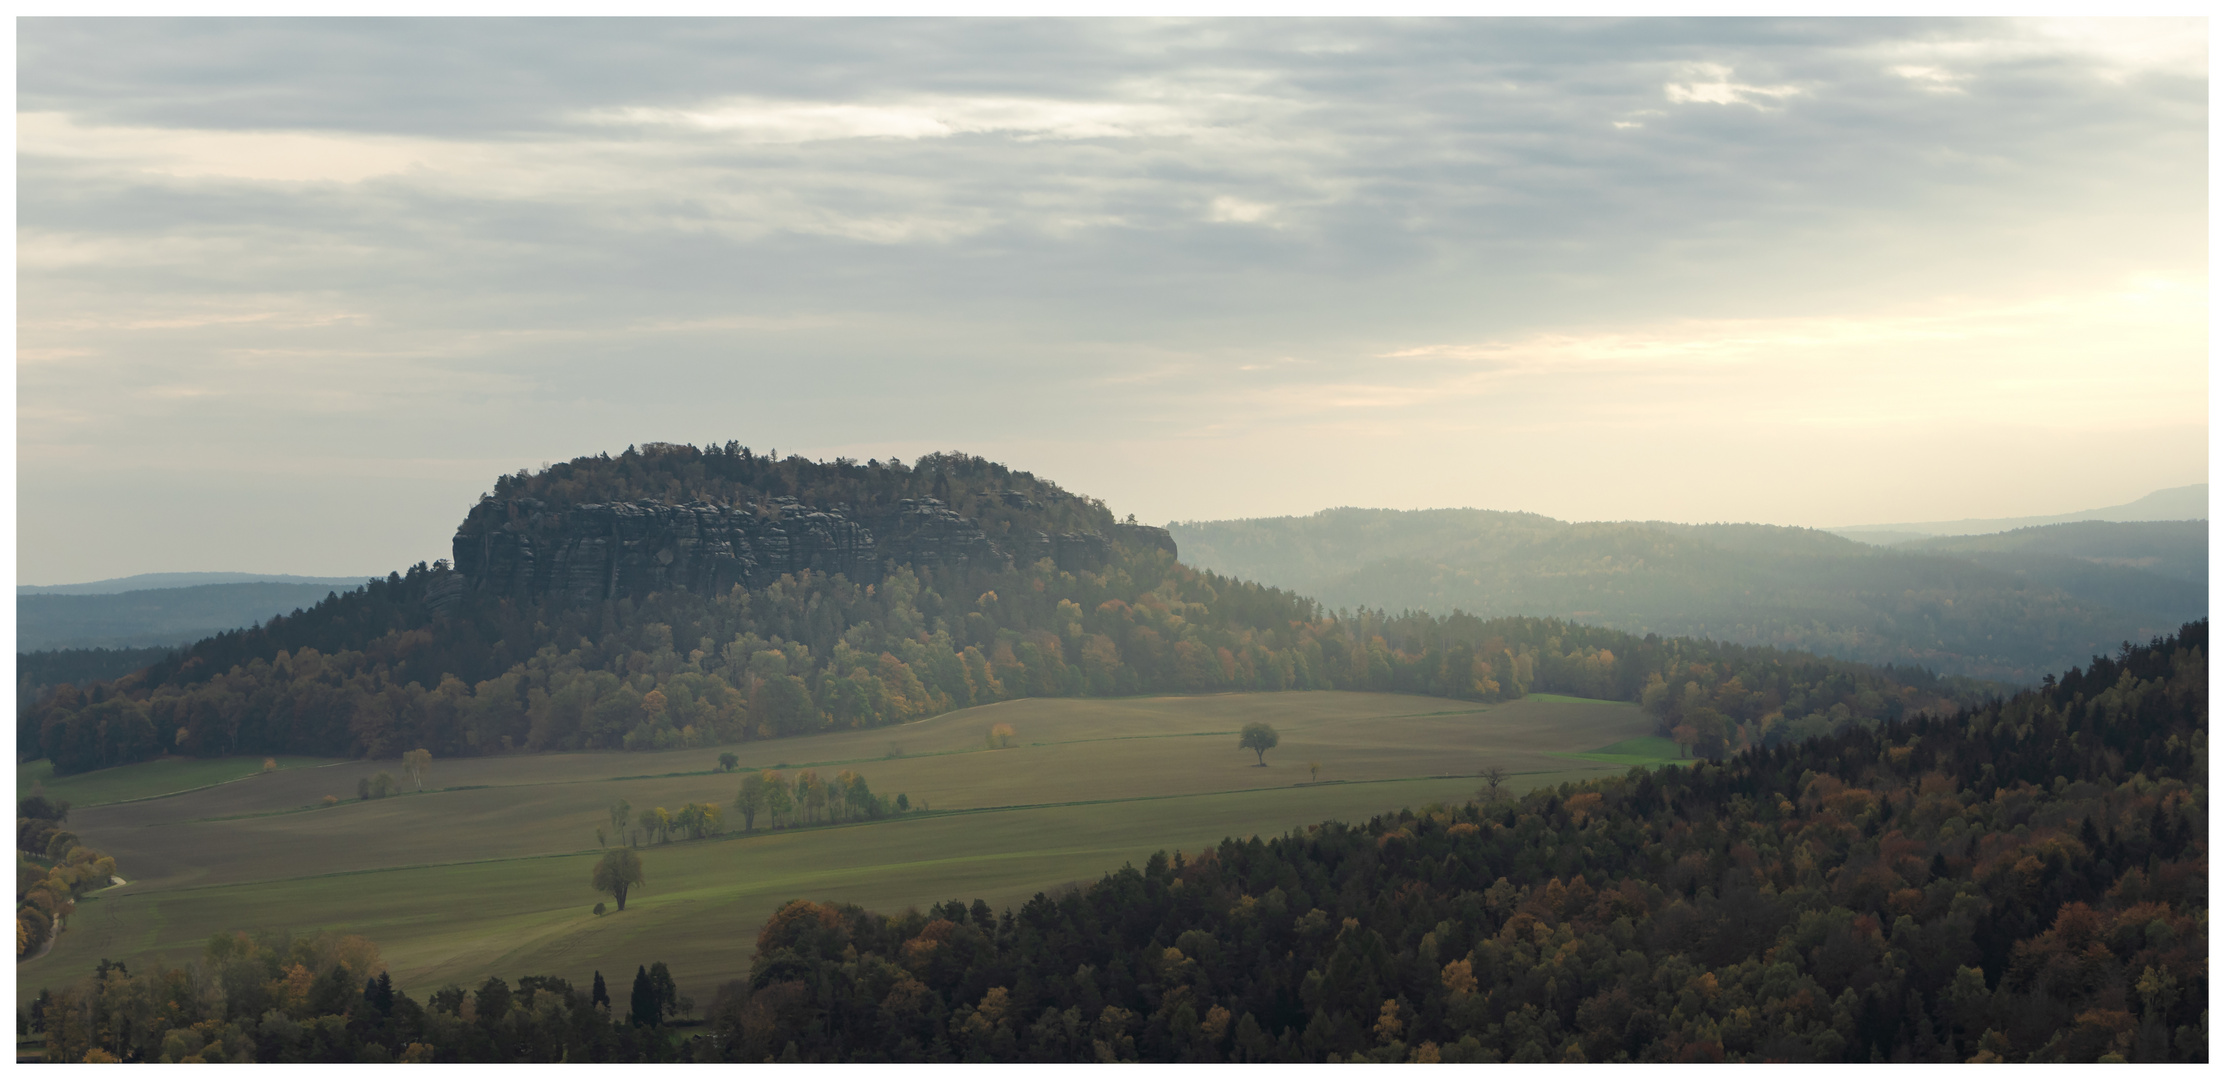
(1494, 778)
(1314, 767)
(621, 812)
(617, 873)
(727, 762)
(1259, 738)
(415, 763)
(1000, 736)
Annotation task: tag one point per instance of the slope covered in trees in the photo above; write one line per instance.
(2032, 602)
(2022, 881)
(2026, 881)
(425, 659)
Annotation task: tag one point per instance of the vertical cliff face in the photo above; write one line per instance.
(586, 553)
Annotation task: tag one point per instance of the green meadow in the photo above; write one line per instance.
(486, 871)
(1648, 750)
(148, 779)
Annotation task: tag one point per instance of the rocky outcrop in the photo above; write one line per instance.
(591, 552)
(1145, 537)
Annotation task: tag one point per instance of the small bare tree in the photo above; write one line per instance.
(1494, 778)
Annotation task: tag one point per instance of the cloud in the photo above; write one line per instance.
(280, 156)
(755, 121)
(1710, 84)
(464, 242)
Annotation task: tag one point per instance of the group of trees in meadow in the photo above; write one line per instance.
(811, 798)
(769, 797)
(369, 673)
(328, 998)
(2021, 881)
(52, 869)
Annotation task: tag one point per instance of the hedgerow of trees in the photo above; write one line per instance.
(52, 869)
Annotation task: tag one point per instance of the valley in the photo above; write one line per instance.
(486, 871)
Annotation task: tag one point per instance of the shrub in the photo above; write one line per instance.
(600, 907)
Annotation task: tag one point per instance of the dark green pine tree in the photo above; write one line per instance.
(601, 996)
(646, 1007)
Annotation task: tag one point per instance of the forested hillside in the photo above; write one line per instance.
(430, 660)
(2026, 881)
(2033, 602)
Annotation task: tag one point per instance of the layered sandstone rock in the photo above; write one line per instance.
(591, 552)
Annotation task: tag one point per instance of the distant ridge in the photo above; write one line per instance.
(136, 582)
(2189, 503)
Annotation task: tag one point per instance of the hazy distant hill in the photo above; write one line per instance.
(2189, 503)
(148, 617)
(2010, 608)
(137, 582)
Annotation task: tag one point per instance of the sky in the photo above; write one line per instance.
(290, 294)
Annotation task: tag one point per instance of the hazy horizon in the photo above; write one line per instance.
(292, 293)
(236, 575)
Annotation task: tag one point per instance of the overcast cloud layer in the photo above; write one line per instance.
(292, 293)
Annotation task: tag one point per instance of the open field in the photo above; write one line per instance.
(147, 779)
(486, 871)
(1649, 751)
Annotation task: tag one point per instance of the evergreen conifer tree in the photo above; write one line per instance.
(645, 1007)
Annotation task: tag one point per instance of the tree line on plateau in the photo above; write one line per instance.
(2024, 880)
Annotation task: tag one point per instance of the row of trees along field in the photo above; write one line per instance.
(52, 869)
(769, 797)
(328, 998)
(2025, 881)
(2021, 881)
(368, 674)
